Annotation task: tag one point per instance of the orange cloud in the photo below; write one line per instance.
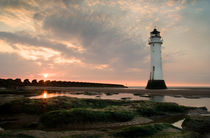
(18, 19)
(61, 60)
(103, 67)
(35, 53)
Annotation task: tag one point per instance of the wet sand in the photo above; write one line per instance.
(189, 92)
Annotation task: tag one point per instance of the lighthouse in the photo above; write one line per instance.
(156, 80)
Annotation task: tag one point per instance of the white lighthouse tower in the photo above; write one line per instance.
(156, 74)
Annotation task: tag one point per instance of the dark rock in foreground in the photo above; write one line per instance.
(198, 123)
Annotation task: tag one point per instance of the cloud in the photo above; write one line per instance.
(24, 38)
(33, 53)
(94, 33)
(103, 67)
(14, 66)
(35, 50)
(66, 61)
(92, 27)
(102, 43)
(16, 4)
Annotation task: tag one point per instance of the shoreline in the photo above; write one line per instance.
(198, 92)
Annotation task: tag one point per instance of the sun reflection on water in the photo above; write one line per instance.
(44, 95)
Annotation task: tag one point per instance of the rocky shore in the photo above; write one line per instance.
(72, 117)
(198, 120)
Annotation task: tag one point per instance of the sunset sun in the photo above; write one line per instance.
(45, 75)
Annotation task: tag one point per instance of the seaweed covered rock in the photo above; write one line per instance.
(149, 108)
(39, 106)
(198, 111)
(199, 123)
(142, 130)
(82, 116)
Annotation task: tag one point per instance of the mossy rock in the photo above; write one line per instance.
(8, 135)
(156, 108)
(80, 116)
(141, 131)
(200, 124)
(39, 106)
(84, 136)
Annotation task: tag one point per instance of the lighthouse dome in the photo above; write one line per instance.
(155, 31)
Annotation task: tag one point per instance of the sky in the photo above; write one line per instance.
(104, 40)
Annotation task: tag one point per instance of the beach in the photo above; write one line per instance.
(173, 91)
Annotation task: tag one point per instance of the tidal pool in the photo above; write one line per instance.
(196, 102)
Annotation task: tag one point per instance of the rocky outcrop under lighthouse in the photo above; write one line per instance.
(156, 84)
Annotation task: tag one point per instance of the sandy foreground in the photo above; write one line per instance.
(200, 92)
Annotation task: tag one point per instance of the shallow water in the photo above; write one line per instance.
(196, 101)
(118, 96)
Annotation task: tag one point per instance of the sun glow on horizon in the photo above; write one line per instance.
(45, 75)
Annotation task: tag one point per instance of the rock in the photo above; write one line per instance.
(200, 124)
(173, 130)
(126, 98)
(198, 111)
(33, 125)
(1, 129)
(178, 96)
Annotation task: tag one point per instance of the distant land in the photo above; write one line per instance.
(18, 83)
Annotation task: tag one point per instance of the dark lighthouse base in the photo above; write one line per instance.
(156, 84)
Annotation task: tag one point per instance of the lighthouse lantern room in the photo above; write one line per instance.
(156, 74)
